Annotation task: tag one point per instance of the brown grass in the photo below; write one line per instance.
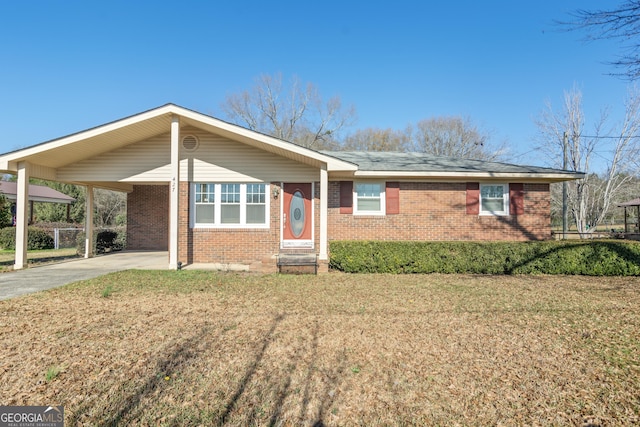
(199, 348)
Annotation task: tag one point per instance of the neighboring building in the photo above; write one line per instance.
(37, 193)
(213, 192)
(631, 229)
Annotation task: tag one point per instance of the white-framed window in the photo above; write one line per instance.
(204, 200)
(369, 198)
(494, 199)
(229, 205)
(256, 204)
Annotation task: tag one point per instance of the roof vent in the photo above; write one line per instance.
(190, 143)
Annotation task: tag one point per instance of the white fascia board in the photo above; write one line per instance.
(555, 177)
(45, 146)
(12, 197)
(331, 162)
(9, 160)
(47, 200)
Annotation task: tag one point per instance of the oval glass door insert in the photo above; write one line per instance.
(297, 214)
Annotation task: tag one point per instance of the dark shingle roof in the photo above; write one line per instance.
(421, 162)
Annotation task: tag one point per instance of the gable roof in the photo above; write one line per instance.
(48, 156)
(398, 164)
(37, 193)
(45, 158)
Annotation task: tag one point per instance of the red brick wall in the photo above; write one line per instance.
(148, 218)
(428, 211)
(247, 246)
(437, 211)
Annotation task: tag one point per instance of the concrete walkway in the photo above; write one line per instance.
(34, 279)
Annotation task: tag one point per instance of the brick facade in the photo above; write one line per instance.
(427, 211)
(148, 218)
(246, 246)
(438, 211)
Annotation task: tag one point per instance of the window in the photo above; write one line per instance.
(205, 203)
(230, 205)
(494, 199)
(256, 204)
(369, 198)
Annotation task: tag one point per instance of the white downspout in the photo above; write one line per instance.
(174, 199)
(22, 223)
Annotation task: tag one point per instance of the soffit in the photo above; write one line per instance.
(111, 136)
(92, 143)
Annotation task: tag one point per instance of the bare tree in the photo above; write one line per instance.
(108, 206)
(373, 139)
(441, 136)
(294, 112)
(620, 23)
(590, 199)
(453, 137)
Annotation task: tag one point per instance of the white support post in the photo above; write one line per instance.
(174, 200)
(88, 225)
(324, 209)
(22, 222)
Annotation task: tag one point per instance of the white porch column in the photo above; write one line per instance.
(22, 219)
(174, 199)
(88, 223)
(324, 210)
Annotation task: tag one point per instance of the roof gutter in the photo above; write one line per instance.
(554, 177)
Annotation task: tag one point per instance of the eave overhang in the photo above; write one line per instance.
(465, 176)
(47, 157)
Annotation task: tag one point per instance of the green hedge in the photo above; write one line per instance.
(592, 258)
(37, 238)
(104, 240)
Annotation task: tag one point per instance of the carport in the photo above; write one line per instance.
(37, 193)
(113, 156)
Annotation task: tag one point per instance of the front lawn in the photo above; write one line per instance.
(202, 348)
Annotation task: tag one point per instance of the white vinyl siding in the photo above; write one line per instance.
(229, 205)
(147, 161)
(216, 159)
(219, 159)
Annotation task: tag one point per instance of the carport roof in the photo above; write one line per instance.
(51, 155)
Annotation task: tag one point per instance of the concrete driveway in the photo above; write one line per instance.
(34, 279)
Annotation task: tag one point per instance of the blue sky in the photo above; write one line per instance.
(66, 66)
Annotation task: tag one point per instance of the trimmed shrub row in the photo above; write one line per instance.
(591, 258)
(37, 239)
